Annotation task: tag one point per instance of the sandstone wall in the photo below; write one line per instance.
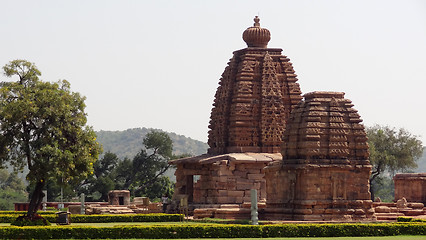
(411, 186)
(221, 182)
(318, 192)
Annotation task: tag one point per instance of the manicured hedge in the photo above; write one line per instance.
(77, 218)
(408, 219)
(24, 212)
(215, 231)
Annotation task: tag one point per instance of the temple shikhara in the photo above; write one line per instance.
(307, 156)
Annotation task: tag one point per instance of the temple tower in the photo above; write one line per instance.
(324, 174)
(256, 94)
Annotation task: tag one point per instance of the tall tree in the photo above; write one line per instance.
(43, 126)
(392, 150)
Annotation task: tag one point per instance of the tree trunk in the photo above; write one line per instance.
(36, 200)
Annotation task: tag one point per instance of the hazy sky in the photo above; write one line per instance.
(158, 63)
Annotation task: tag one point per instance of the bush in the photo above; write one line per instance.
(25, 221)
(77, 218)
(215, 231)
(408, 219)
(24, 212)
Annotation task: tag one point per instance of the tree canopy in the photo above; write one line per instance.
(143, 175)
(43, 126)
(392, 150)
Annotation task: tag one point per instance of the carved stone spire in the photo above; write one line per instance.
(256, 94)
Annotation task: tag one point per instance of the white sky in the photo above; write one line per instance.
(158, 63)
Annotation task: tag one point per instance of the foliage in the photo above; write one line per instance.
(104, 218)
(409, 219)
(127, 143)
(12, 189)
(384, 188)
(22, 212)
(421, 163)
(215, 231)
(143, 175)
(43, 126)
(103, 180)
(36, 221)
(392, 150)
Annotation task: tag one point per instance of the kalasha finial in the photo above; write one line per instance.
(256, 36)
(256, 21)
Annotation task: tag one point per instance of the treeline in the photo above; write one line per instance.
(127, 143)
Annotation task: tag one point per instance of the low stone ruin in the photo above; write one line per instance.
(411, 186)
(212, 183)
(139, 205)
(401, 208)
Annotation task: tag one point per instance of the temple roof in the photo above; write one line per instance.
(233, 157)
(325, 126)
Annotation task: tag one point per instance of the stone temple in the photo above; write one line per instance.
(256, 94)
(324, 174)
(257, 113)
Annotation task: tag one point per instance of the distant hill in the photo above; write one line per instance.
(128, 143)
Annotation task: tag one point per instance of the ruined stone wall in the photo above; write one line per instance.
(411, 186)
(221, 182)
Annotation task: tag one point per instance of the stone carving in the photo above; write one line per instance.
(254, 99)
(324, 174)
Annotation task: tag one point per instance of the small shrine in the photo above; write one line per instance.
(411, 186)
(325, 170)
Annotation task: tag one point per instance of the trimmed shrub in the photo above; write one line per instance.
(77, 218)
(215, 231)
(24, 212)
(408, 219)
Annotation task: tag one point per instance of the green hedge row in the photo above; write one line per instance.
(408, 219)
(77, 218)
(215, 231)
(24, 212)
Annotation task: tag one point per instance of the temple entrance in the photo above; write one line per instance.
(120, 200)
(191, 180)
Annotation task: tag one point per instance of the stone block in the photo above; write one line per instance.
(244, 186)
(415, 205)
(382, 209)
(255, 176)
(236, 193)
